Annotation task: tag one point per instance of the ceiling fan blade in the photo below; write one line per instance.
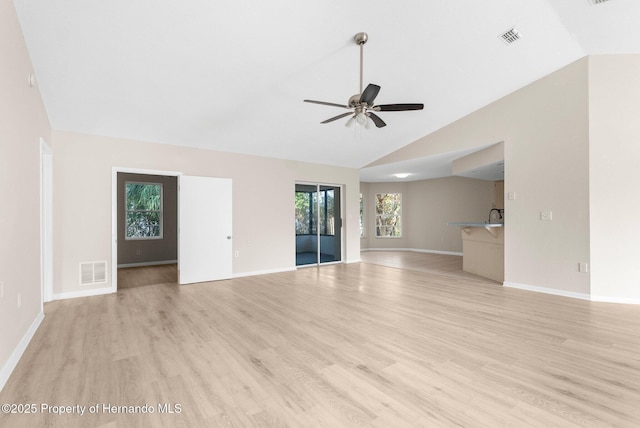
(398, 107)
(326, 104)
(340, 116)
(376, 120)
(369, 94)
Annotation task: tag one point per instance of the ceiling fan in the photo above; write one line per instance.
(361, 104)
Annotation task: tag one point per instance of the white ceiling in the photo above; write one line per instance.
(231, 76)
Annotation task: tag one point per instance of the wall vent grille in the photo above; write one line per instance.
(93, 273)
(510, 36)
(599, 1)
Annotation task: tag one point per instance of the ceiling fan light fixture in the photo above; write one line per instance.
(349, 123)
(361, 118)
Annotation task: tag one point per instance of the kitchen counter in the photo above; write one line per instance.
(483, 249)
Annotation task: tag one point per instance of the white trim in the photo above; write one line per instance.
(114, 216)
(624, 300)
(263, 272)
(46, 222)
(545, 290)
(158, 263)
(84, 293)
(415, 250)
(353, 261)
(581, 296)
(13, 360)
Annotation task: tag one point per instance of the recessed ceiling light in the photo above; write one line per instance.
(401, 175)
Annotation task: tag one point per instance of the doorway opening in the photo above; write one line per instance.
(318, 224)
(147, 235)
(203, 226)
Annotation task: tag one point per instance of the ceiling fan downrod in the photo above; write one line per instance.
(360, 39)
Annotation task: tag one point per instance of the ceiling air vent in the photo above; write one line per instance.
(599, 1)
(93, 273)
(510, 36)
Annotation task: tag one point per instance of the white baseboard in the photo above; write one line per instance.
(84, 293)
(353, 261)
(607, 299)
(574, 295)
(164, 262)
(545, 290)
(13, 360)
(415, 250)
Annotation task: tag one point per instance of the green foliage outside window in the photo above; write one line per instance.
(388, 215)
(143, 210)
(313, 210)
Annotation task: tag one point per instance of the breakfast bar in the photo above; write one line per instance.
(483, 249)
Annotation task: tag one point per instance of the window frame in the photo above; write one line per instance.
(363, 226)
(377, 216)
(160, 211)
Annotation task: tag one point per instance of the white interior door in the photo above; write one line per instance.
(204, 234)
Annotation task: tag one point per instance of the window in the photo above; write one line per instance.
(315, 209)
(388, 219)
(143, 210)
(305, 214)
(361, 216)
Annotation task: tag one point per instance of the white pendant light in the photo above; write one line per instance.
(349, 123)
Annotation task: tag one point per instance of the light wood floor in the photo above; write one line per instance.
(441, 264)
(336, 346)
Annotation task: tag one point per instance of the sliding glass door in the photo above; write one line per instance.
(318, 224)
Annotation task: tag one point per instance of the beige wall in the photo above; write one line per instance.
(263, 195)
(544, 127)
(427, 207)
(434, 203)
(23, 121)
(614, 127)
(491, 154)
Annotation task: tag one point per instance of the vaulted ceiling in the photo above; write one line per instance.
(232, 75)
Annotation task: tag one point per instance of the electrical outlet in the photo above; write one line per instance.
(1, 289)
(19, 300)
(546, 215)
(511, 196)
(583, 267)
(236, 253)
